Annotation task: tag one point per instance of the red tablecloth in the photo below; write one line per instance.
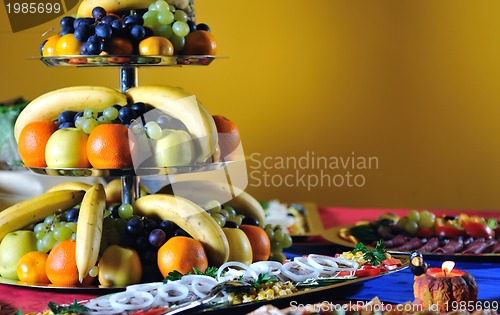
(13, 298)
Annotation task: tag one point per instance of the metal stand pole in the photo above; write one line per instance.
(130, 183)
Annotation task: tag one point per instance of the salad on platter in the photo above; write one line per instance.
(257, 282)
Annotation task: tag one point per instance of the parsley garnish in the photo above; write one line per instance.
(176, 275)
(374, 257)
(263, 278)
(74, 307)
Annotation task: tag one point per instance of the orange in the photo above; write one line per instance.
(108, 147)
(181, 253)
(49, 48)
(156, 46)
(118, 46)
(229, 135)
(61, 264)
(68, 45)
(31, 268)
(200, 43)
(261, 245)
(32, 141)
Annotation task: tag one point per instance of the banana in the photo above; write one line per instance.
(200, 192)
(113, 191)
(89, 229)
(36, 209)
(69, 186)
(77, 98)
(182, 105)
(246, 204)
(86, 7)
(190, 217)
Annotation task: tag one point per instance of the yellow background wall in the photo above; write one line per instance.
(414, 83)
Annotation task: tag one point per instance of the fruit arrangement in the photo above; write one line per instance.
(79, 234)
(147, 126)
(124, 28)
(426, 232)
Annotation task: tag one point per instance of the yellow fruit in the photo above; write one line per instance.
(156, 46)
(68, 45)
(31, 268)
(49, 48)
(240, 248)
(119, 266)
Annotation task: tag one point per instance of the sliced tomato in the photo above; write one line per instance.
(367, 271)
(392, 262)
(449, 231)
(151, 312)
(425, 232)
(389, 267)
(363, 271)
(478, 230)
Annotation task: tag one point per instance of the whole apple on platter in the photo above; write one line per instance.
(67, 148)
(13, 246)
(174, 148)
(119, 266)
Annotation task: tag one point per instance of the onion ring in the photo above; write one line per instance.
(302, 261)
(350, 263)
(267, 267)
(176, 287)
(251, 272)
(100, 304)
(200, 285)
(116, 300)
(146, 287)
(286, 271)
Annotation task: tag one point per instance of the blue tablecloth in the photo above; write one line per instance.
(398, 287)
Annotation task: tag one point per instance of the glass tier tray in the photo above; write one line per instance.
(146, 171)
(129, 60)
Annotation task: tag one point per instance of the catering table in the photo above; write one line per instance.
(392, 288)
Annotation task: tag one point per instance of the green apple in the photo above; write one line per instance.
(14, 246)
(119, 266)
(67, 148)
(174, 148)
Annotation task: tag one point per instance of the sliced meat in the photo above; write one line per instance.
(399, 240)
(431, 245)
(412, 244)
(492, 246)
(496, 248)
(453, 246)
(476, 247)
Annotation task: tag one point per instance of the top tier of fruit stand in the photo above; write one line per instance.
(128, 64)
